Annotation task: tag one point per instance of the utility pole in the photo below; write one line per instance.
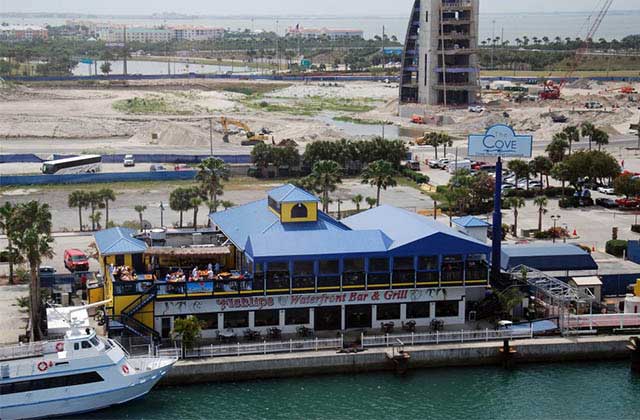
(211, 136)
(124, 61)
(383, 56)
(493, 42)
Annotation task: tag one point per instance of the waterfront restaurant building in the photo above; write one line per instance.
(296, 266)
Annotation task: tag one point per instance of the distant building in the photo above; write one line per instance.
(333, 34)
(440, 63)
(196, 33)
(115, 33)
(23, 32)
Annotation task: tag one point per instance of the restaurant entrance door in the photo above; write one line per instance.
(328, 318)
(358, 316)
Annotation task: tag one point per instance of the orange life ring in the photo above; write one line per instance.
(42, 366)
(125, 369)
(59, 346)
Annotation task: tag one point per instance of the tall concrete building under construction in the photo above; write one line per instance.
(440, 63)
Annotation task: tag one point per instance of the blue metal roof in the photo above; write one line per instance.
(404, 227)
(315, 243)
(291, 194)
(470, 221)
(255, 218)
(559, 257)
(118, 241)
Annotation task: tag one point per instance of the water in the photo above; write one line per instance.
(617, 24)
(158, 67)
(354, 129)
(559, 391)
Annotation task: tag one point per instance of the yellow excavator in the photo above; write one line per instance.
(252, 137)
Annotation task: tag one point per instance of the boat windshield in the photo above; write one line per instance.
(94, 341)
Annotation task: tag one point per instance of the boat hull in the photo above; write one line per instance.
(139, 386)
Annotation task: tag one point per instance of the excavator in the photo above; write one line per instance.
(252, 137)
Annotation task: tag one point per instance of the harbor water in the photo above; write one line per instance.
(605, 390)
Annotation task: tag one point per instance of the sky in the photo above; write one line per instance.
(291, 7)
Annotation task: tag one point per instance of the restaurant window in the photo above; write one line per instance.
(417, 310)
(258, 276)
(303, 268)
(452, 268)
(352, 265)
(446, 308)
(388, 311)
(328, 267)
(378, 265)
(278, 277)
(296, 316)
(403, 263)
(267, 318)
(209, 321)
(428, 263)
(236, 320)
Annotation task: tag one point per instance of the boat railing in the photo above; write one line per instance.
(26, 350)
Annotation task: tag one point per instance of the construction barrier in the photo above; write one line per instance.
(140, 158)
(18, 180)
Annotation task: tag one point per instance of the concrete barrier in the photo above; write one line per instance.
(330, 362)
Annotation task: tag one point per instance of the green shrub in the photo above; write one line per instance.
(415, 176)
(570, 202)
(616, 247)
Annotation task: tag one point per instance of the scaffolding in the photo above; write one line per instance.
(554, 292)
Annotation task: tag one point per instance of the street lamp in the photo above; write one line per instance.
(556, 219)
(161, 214)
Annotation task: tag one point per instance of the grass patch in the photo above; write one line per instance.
(251, 89)
(314, 105)
(356, 120)
(146, 105)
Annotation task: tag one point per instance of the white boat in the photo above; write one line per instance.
(84, 372)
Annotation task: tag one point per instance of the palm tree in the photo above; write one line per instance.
(140, 210)
(179, 200)
(6, 225)
(80, 200)
(32, 224)
(107, 195)
(357, 200)
(445, 140)
(520, 169)
(95, 219)
(541, 165)
(211, 173)
(541, 203)
(326, 175)
(95, 202)
(227, 204)
(371, 201)
(432, 139)
(558, 147)
(195, 203)
(379, 174)
(587, 130)
(600, 138)
(572, 135)
(515, 203)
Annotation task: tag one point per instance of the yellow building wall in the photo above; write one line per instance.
(312, 212)
(636, 288)
(95, 294)
(145, 315)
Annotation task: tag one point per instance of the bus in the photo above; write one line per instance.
(74, 165)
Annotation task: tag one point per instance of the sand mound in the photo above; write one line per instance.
(171, 134)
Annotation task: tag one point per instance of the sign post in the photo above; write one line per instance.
(502, 142)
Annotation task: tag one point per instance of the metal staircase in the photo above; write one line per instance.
(130, 324)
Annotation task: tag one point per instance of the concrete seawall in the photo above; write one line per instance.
(223, 369)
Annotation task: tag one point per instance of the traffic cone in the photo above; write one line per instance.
(593, 248)
(575, 232)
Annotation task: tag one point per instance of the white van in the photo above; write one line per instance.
(129, 161)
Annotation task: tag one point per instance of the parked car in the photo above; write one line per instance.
(433, 164)
(607, 203)
(628, 203)
(476, 109)
(181, 167)
(443, 163)
(593, 105)
(157, 168)
(607, 190)
(414, 165)
(76, 260)
(129, 161)
(46, 271)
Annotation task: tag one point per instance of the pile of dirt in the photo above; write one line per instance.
(580, 84)
(171, 134)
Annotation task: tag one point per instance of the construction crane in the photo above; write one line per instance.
(552, 90)
(252, 137)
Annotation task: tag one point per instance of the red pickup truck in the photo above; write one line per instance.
(76, 260)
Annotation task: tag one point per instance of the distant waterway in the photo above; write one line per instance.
(161, 67)
(355, 129)
(544, 391)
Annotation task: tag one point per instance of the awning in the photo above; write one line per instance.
(561, 257)
(199, 252)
